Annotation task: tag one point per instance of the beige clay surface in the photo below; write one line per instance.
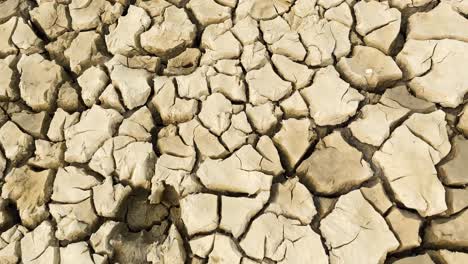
(234, 131)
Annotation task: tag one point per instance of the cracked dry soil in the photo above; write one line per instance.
(234, 131)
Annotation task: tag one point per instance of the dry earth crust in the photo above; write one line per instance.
(233, 131)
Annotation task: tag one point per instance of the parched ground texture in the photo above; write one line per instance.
(234, 131)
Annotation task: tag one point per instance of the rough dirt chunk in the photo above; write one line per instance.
(376, 195)
(8, 91)
(400, 96)
(292, 199)
(93, 81)
(375, 121)
(52, 19)
(84, 51)
(369, 69)
(452, 172)
(326, 41)
(353, 228)
(416, 146)
(456, 200)
(334, 166)
(40, 79)
(442, 22)
(331, 100)
(16, 144)
(224, 250)
(124, 38)
(264, 118)
(171, 108)
(30, 191)
(300, 75)
(72, 185)
(216, 113)
(378, 24)
(219, 43)
(209, 11)
(293, 139)
(284, 240)
(132, 84)
(96, 125)
(406, 226)
(170, 251)
(449, 232)
(48, 155)
(265, 85)
(435, 69)
(237, 212)
(199, 213)
(108, 198)
(74, 221)
(172, 32)
(282, 40)
(240, 173)
(40, 245)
